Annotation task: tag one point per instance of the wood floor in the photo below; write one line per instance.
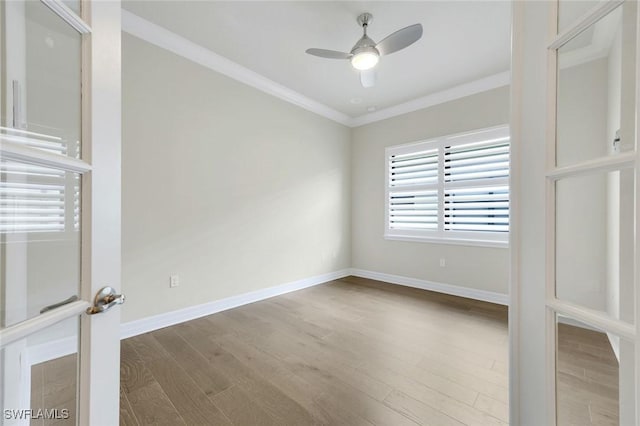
(353, 352)
(587, 381)
(53, 386)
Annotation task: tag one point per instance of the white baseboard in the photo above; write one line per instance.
(454, 290)
(66, 346)
(145, 325)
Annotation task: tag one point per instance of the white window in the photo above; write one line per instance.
(452, 189)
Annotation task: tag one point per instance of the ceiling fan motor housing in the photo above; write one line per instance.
(364, 44)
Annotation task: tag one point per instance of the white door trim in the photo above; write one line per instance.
(21, 153)
(515, 125)
(101, 266)
(32, 325)
(67, 15)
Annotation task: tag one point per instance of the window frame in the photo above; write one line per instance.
(442, 236)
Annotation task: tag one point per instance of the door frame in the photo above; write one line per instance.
(532, 288)
(99, 339)
(554, 174)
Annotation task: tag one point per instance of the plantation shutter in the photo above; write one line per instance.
(34, 198)
(414, 169)
(414, 209)
(454, 187)
(477, 209)
(476, 195)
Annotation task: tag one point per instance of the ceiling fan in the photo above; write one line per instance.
(365, 53)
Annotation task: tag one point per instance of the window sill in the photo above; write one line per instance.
(449, 241)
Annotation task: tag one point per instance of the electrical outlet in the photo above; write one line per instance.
(443, 262)
(174, 281)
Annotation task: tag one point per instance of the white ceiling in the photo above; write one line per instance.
(463, 41)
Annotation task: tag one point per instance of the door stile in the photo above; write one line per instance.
(100, 334)
(550, 229)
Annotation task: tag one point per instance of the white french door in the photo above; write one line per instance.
(59, 212)
(592, 210)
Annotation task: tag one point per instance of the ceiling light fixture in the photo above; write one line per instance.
(365, 58)
(366, 52)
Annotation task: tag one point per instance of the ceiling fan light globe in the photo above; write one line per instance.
(365, 60)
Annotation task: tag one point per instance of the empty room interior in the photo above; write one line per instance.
(375, 213)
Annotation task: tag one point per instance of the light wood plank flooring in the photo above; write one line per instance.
(352, 352)
(587, 380)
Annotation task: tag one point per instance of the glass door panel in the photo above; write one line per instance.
(571, 10)
(592, 175)
(40, 375)
(594, 222)
(593, 68)
(73, 5)
(594, 370)
(39, 238)
(43, 81)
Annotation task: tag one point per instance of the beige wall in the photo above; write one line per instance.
(230, 188)
(480, 268)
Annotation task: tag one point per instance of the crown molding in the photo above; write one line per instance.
(457, 92)
(165, 39)
(161, 37)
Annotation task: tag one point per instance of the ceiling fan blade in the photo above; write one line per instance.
(400, 39)
(368, 78)
(331, 54)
